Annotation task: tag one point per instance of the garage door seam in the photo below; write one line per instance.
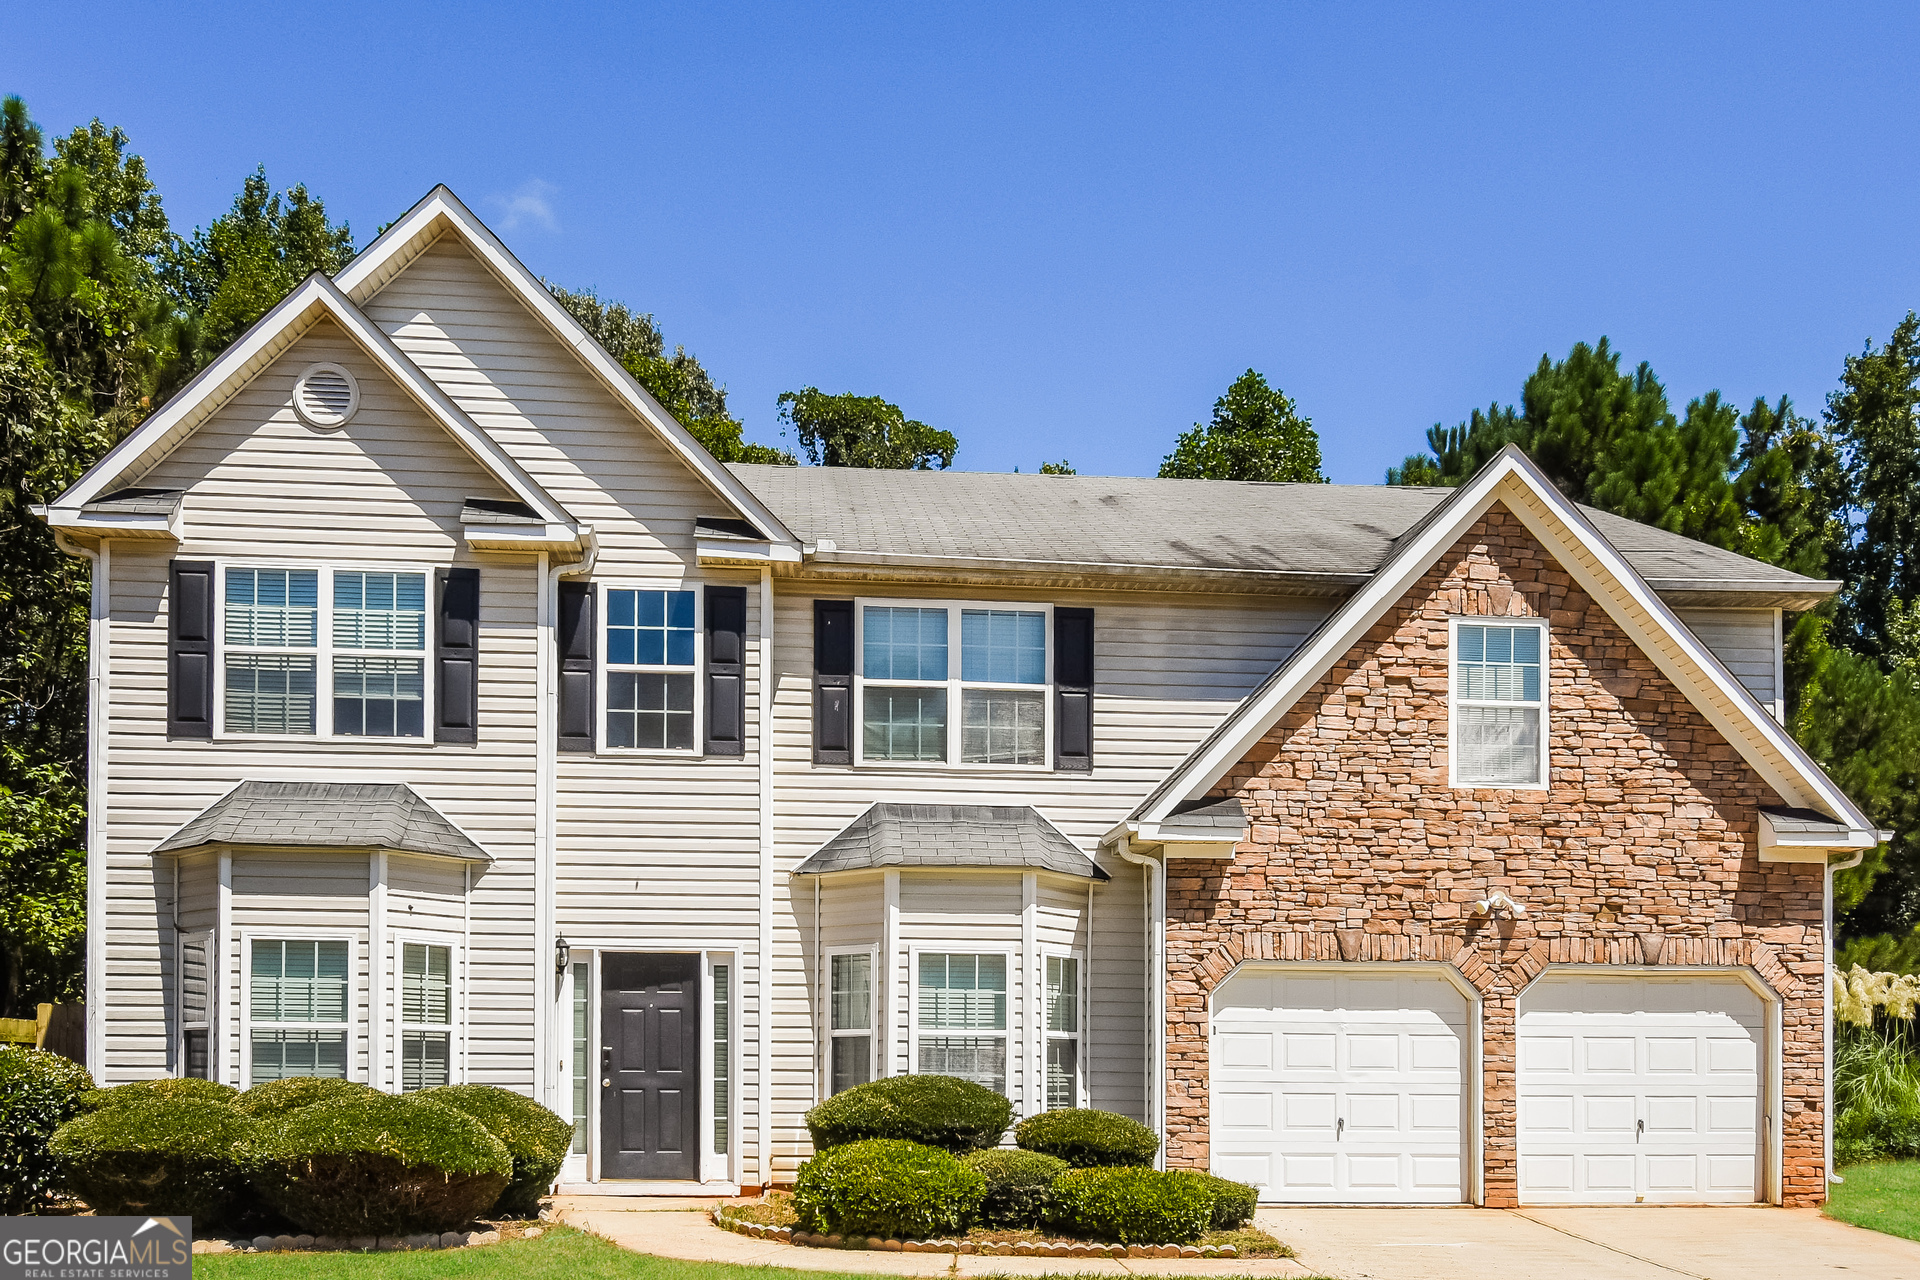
(1609, 1248)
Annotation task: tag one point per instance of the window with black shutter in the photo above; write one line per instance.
(833, 682)
(190, 649)
(575, 638)
(1073, 690)
(726, 671)
(456, 686)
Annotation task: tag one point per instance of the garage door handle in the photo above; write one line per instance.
(1639, 1127)
(1339, 1127)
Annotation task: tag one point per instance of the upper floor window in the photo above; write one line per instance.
(1499, 704)
(288, 633)
(954, 683)
(651, 656)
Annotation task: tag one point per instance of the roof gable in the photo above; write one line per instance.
(1596, 566)
(315, 299)
(441, 213)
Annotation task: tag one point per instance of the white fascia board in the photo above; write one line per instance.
(314, 297)
(1762, 741)
(734, 552)
(365, 275)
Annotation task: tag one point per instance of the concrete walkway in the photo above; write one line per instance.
(1359, 1244)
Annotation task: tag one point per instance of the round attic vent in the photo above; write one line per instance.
(326, 395)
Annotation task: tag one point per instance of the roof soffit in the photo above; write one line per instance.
(1596, 566)
(442, 213)
(315, 299)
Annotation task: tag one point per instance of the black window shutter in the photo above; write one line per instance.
(456, 655)
(726, 671)
(578, 651)
(1073, 690)
(190, 649)
(833, 682)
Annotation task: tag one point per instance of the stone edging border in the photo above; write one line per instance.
(354, 1244)
(999, 1248)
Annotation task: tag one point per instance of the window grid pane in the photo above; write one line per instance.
(1499, 745)
(1063, 994)
(904, 724)
(1498, 664)
(379, 610)
(424, 1058)
(1002, 646)
(963, 992)
(193, 982)
(299, 981)
(852, 1061)
(581, 1029)
(273, 608)
(903, 644)
(1063, 1069)
(852, 1007)
(722, 1056)
(379, 697)
(1003, 726)
(650, 629)
(269, 693)
(277, 1054)
(650, 709)
(981, 1059)
(427, 984)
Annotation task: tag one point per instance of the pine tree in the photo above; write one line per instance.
(1875, 421)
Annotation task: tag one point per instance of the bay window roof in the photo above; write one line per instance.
(325, 815)
(951, 835)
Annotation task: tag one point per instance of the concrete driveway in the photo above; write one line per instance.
(1630, 1243)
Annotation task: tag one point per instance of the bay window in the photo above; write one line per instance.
(1063, 1032)
(1499, 704)
(426, 1016)
(850, 1020)
(920, 706)
(961, 1026)
(298, 1008)
(196, 999)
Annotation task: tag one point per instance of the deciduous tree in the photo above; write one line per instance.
(863, 431)
(1257, 433)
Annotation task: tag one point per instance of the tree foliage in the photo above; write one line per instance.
(863, 431)
(1257, 433)
(678, 381)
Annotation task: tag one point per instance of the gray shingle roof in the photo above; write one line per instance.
(135, 502)
(1804, 822)
(951, 835)
(326, 815)
(1333, 534)
(1218, 815)
(508, 511)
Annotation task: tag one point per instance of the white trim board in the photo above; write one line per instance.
(1596, 567)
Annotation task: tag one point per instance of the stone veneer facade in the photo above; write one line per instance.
(1643, 850)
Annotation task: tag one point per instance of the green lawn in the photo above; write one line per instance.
(1883, 1197)
(560, 1254)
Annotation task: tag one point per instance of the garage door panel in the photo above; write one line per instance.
(1249, 1114)
(1639, 1089)
(1366, 1083)
(1245, 1052)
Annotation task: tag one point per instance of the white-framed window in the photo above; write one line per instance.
(722, 1072)
(582, 1050)
(289, 632)
(1064, 1014)
(960, 1018)
(850, 1019)
(197, 964)
(964, 683)
(426, 1021)
(1499, 703)
(298, 1007)
(651, 673)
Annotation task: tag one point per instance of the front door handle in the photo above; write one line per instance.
(606, 1059)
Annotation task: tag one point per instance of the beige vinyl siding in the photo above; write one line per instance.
(1747, 643)
(199, 880)
(300, 894)
(383, 491)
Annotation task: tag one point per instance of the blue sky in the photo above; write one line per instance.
(1062, 231)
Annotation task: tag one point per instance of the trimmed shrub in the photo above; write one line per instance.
(39, 1092)
(276, 1098)
(1233, 1202)
(886, 1187)
(158, 1156)
(377, 1165)
(183, 1090)
(1019, 1184)
(1131, 1205)
(535, 1138)
(938, 1111)
(1088, 1139)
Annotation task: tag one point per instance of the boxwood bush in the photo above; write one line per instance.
(377, 1165)
(886, 1187)
(39, 1092)
(157, 1156)
(1131, 1205)
(939, 1111)
(1088, 1139)
(185, 1089)
(1233, 1202)
(276, 1098)
(535, 1138)
(1019, 1185)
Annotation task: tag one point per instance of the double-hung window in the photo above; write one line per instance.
(1063, 1032)
(954, 683)
(289, 633)
(651, 657)
(1499, 704)
(426, 1016)
(962, 1021)
(298, 1009)
(196, 999)
(850, 1024)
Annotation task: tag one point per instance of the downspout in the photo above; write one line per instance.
(546, 1072)
(1826, 999)
(1156, 929)
(99, 563)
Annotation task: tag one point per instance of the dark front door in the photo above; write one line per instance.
(650, 1066)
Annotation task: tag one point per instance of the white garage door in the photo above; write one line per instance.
(1341, 1088)
(1640, 1089)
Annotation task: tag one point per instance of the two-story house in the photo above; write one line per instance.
(456, 717)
